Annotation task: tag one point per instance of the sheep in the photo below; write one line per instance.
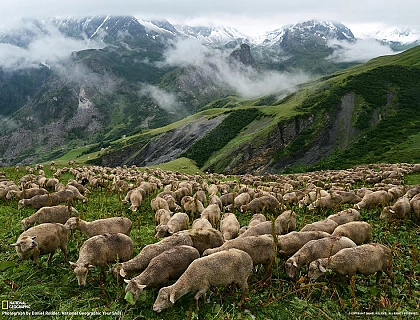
(358, 231)
(365, 259)
(229, 226)
(173, 206)
(192, 206)
(42, 239)
(228, 198)
(265, 203)
(179, 221)
(345, 216)
(288, 244)
(326, 225)
(51, 199)
(400, 209)
(201, 195)
(100, 226)
(260, 248)
(135, 197)
(316, 249)
(26, 193)
(137, 264)
(169, 265)
(219, 269)
(331, 201)
(415, 206)
(59, 214)
(212, 213)
(373, 200)
(162, 216)
(203, 239)
(159, 203)
(201, 223)
(214, 199)
(284, 223)
(240, 200)
(255, 219)
(99, 251)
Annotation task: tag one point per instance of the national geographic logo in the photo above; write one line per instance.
(4, 305)
(8, 305)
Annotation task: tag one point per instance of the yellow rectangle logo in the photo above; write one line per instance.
(4, 305)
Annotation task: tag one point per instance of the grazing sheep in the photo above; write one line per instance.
(179, 221)
(192, 206)
(283, 224)
(137, 264)
(162, 216)
(326, 225)
(345, 216)
(26, 193)
(365, 259)
(330, 201)
(260, 248)
(135, 197)
(101, 250)
(173, 206)
(228, 198)
(201, 196)
(169, 265)
(265, 203)
(203, 239)
(219, 269)
(316, 249)
(240, 200)
(159, 203)
(212, 213)
(373, 200)
(348, 196)
(255, 219)
(214, 199)
(358, 231)
(42, 239)
(201, 223)
(100, 226)
(58, 214)
(400, 209)
(415, 206)
(288, 244)
(51, 199)
(229, 226)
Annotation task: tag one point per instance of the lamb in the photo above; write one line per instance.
(358, 231)
(400, 209)
(137, 264)
(345, 216)
(283, 224)
(365, 259)
(59, 214)
(99, 251)
(201, 223)
(326, 225)
(212, 213)
(169, 265)
(265, 203)
(229, 226)
(288, 244)
(42, 239)
(26, 193)
(316, 249)
(179, 221)
(260, 248)
(100, 226)
(373, 200)
(219, 269)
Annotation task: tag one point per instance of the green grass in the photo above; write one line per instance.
(54, 289)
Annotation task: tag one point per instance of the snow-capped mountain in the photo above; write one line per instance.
(404, 36)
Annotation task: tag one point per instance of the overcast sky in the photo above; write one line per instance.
(249, 16)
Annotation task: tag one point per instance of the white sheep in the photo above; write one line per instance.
(229, 226)
(219, 269)
(415, 206)
(373, 200)
(159, 203)
(179, 221)
(316, 249)
(345, 216)
(288, 244)
(100, 226)
(358, 231)
(42, 239)
(203, 239)
(265, 203)
(400, 209)
(201, 223)
(162, 216)
(101, 250)
(365, 259)
(212, 213)
(169, 265)
(59, 214)
(26, 193)
(326, 225)
(284, 223)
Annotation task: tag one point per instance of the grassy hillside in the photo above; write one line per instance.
(51, 291)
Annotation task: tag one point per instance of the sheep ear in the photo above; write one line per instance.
(172, 298)
(295, 264)
(73, 265)
(141, 286)
(15, 244)
(127, 281)
(321, 268)
(91, 266)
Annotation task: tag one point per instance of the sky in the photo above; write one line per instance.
(249, 16)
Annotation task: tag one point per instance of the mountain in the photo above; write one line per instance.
(66, 83)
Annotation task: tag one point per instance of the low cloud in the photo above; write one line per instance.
(359, 51)
(246, 81)
(163, 99)
(46, 45)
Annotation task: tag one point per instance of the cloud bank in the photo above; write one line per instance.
(246, 81)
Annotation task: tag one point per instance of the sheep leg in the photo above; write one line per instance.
(64, 249)
(243, 285)
(378, 276)
(200, 293)
(36, 255)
